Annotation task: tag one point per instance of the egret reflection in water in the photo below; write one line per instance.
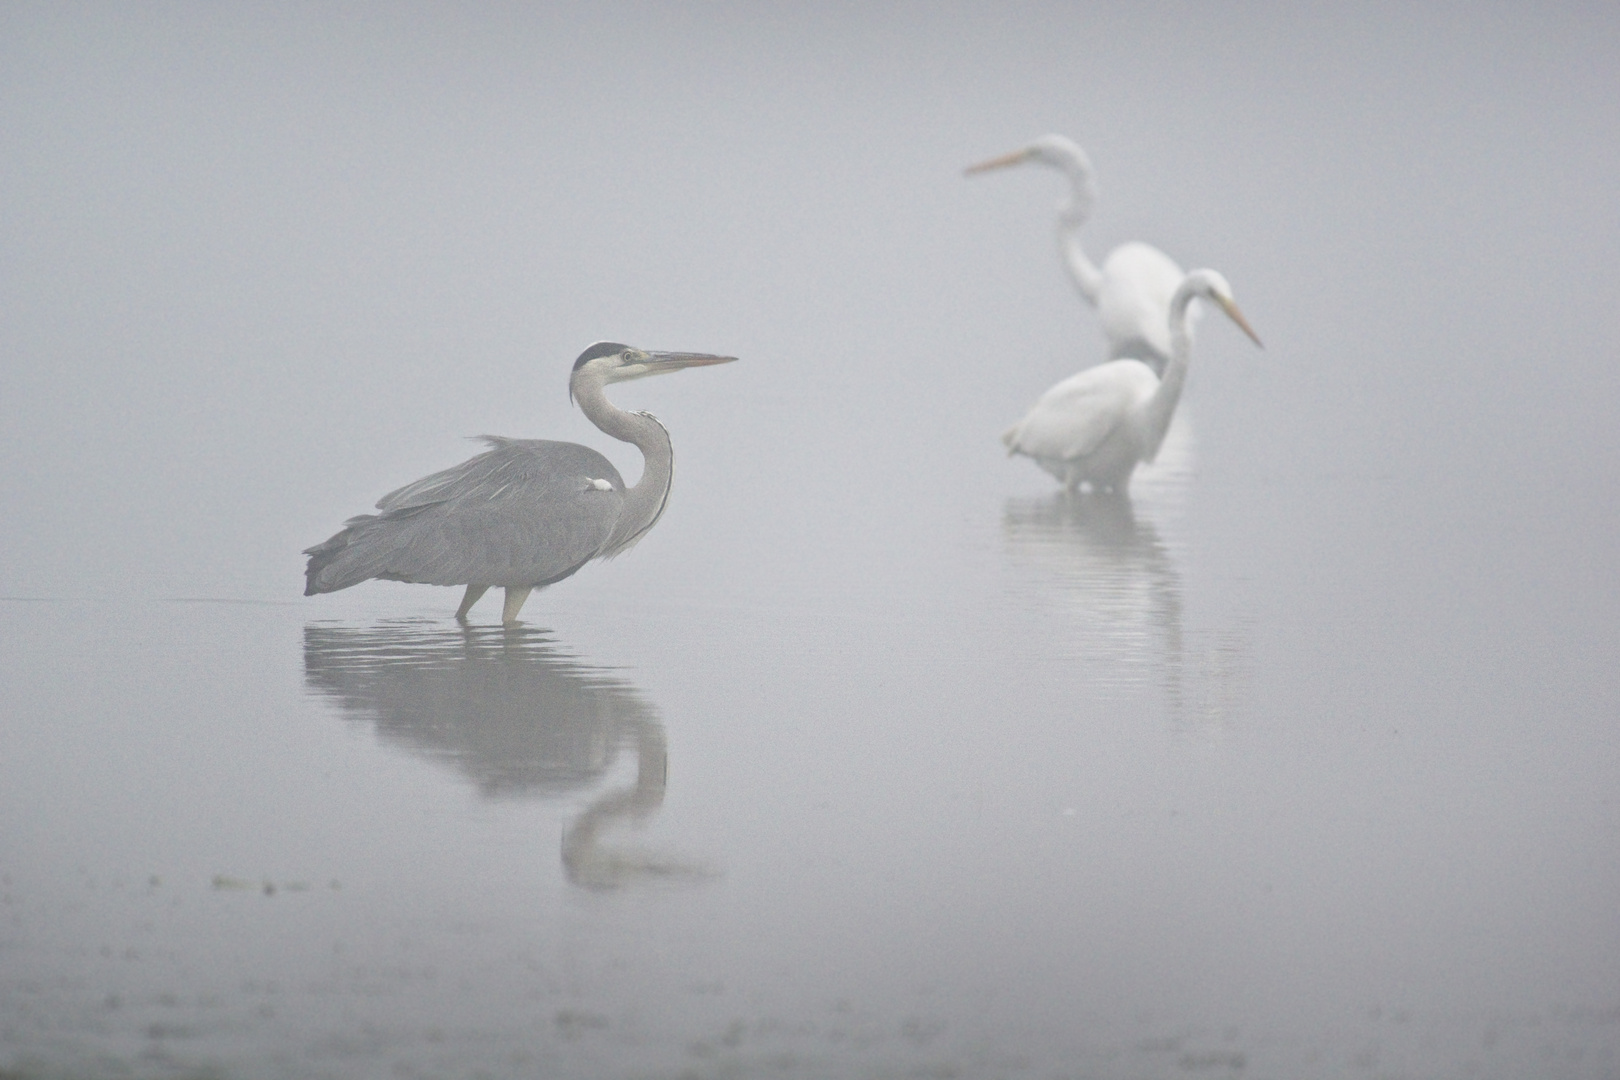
(516, 715)
(1113, 587)
(1107, 572)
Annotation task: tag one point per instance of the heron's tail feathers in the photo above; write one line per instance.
(345, 559)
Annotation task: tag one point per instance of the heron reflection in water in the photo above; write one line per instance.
(517, 716)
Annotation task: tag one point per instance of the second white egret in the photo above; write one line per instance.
(1092, 428)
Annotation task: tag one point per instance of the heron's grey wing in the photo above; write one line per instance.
(485, 472)
(526, 512)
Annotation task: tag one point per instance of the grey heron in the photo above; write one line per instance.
(1132, 291)
(524, 514)
(1093, 427)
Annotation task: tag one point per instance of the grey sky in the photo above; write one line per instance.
(262, 264)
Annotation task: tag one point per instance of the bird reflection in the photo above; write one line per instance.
(516, 715)
(1113, 581)
(1103, 571)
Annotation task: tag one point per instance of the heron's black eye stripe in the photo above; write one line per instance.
(601, 348)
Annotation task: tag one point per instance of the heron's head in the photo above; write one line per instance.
(611, 362)
(1057, 151)
(1211, 285)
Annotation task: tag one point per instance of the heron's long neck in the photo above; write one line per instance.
(1162, 405)
(644, 502)
(1072, 214)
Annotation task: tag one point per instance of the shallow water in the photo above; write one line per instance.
(1096, 808)
(878, 757)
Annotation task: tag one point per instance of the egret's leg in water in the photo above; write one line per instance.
(467, 601)
(514, 602)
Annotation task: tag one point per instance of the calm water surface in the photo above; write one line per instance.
(878, 757)
(1091, 805)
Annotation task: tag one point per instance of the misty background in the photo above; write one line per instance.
(1299, 763)
(263, 264)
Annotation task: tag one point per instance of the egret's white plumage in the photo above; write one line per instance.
(1093, 427)
(1132, 290)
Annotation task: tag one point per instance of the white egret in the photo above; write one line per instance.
(1093, 427)
(1132, 291)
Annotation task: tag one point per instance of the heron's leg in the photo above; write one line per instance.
(514, 602)
(471, 598)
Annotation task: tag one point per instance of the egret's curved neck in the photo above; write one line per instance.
(643, 503)
(1162, 405)
(1072, 214)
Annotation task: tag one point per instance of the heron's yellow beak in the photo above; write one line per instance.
(674, 361)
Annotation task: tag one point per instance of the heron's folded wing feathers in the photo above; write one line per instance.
(526, 512)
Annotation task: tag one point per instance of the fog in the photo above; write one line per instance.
(878, 756)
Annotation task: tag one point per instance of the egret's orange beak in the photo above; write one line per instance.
(1236, 316)
(1017, 157)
